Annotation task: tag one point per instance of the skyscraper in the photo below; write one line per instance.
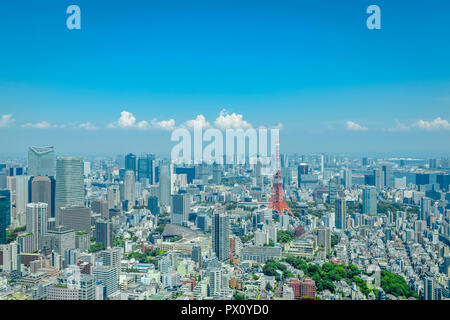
(386, 172)
(258, 174)
(220, 235)
(146, 168)
(104, 232)
(21, 199)
(332, 188)
(152, 205)
(42, 189)
(7, 194)
(129, 186)
(324, 238)
(180, 208)
(217, 173)
(4, 211)
(41, 161)
(164, 183)
(37, 221)
(429, 288)
(425, 208)
(130, 162)
(347, 177)
(369, 197)
(340, 214)
(69, 184)
(379, 178)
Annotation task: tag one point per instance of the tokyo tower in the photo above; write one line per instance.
(277, 201)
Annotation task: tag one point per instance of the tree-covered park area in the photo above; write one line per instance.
(325, 275)
(396, 285)
(148, 256)
(270, 269)
(285, 236)
(97, 246)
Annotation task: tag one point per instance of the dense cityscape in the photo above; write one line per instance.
(139, 227)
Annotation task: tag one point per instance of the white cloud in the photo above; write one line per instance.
(164, 124)
(38, 125)
(6, 120)
(436, 124)
(400, 127)
(128, 120)
(231, 121)
(352, 126)
(199, 121)
(87, 126)
(47, 125)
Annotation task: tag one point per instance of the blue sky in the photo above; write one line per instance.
(311, 65)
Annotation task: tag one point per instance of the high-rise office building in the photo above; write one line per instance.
(180, 208)
(347, 178)
(4, 211)
(332, 190)
(340, 214)
(302, 170)
(130, 162)
(164, 183)
(100, 206)
(42, 189)
(11, 257)
(21, 199)
(108, 276)
(63, 238)
(217, 173)
(113, 196)
(7, 194)
(129, 186)
(324, 238)
(196, 255)
(369, 198)
(146, 168)
(215, 281)
(69, 184)
(220, 235)
(387, 175)
(104, 232)
(429, 288)
(152, 205)
(378, 178)
(425, 208)
(37, 222)
(76, 217)
(258, 174)
(41, 161)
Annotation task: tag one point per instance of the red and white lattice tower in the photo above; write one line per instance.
(277, 201)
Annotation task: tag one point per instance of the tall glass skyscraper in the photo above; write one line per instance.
(130, 162)
(69, 184)
(41, 161)
(146, 168)
(220, 235)
(369, 196)
(7, 194)
(4, 211)
(340, 214)
(180, 208)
